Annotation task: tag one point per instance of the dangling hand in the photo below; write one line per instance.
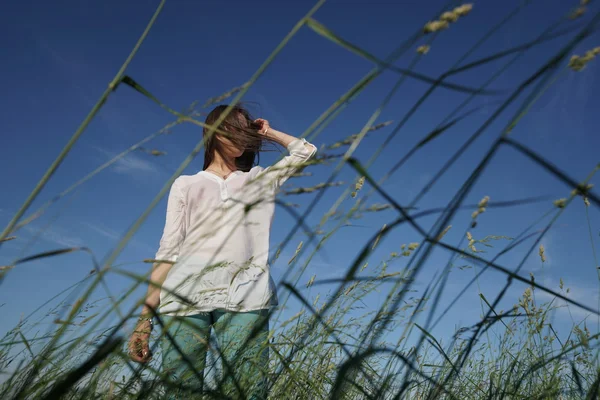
(139, 349)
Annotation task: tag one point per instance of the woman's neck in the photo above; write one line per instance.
(219, 163)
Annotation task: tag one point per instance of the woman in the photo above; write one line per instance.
(212, 267)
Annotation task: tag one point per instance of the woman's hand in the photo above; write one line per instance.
(263, 126)
(139, 343)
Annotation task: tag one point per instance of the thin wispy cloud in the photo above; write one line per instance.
(131, 164)
(54, 235)
(106, 232)
(114, 236)
(578, 292)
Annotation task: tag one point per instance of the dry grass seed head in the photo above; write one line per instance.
(578, 12)
(464, 9)
(441, 235)
(449, 16)
(560, 203)
(435, 26)
(542, 253)
(484, 202)
(358, 186)
(581, 189)
(577, 63)
(423, 49)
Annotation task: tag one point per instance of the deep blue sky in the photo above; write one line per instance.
(57, 58)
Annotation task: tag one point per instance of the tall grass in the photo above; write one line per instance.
(335, 346)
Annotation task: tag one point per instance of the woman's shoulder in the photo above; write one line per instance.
(257, 169)
(183, 181)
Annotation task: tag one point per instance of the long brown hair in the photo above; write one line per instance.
(242, 132)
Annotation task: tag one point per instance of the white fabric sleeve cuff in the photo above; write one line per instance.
(298, 147)
(166, 257)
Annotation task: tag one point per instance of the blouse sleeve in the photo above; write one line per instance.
(174, 230)
(300, 151)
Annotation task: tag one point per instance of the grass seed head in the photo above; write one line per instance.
(532, 278)
(542, 253)
(443, 233)
(435, 26)
(484, 202)
(360, 183)
(423, 49)
(560, 203)
(449, 16)
(463, 10)
(471, 242)
(577, 63)
(581, 189)
(358, 186)
(316, 301)
(379, 207)
(364, 266)
(579, 11)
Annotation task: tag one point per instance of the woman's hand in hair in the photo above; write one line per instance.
(263, 126)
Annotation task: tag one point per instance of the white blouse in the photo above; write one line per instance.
(217, 233)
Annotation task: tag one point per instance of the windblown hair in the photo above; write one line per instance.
(241, 131)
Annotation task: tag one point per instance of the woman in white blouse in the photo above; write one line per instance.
(212, 268)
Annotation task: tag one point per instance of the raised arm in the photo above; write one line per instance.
(300, 151)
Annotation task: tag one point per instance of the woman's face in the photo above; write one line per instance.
(229, 147)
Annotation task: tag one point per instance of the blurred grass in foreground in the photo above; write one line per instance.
(325, 350)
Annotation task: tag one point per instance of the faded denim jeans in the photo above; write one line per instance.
(246, 361)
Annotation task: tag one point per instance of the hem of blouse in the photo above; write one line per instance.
(188, 313)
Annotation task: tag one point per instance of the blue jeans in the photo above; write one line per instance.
(244, 359)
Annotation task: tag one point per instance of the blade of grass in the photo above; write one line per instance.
(103, 98)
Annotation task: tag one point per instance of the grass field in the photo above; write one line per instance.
(335, 347)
